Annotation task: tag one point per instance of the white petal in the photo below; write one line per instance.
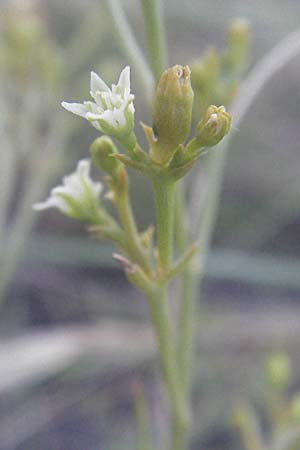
(92, 116)
(119, 117)
(131, 107)
(124, 80)
(52, 202)
(43, 205)
(108, 117)
(84, 167)
(97, 84)
(76, 108)
(90, 107)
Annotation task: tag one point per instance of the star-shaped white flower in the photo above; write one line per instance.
(77, 197)
(112, 111)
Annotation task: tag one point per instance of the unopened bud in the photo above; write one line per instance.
(172, 112)
(214, 125)
(238, 45)
(102, 150)
(278, 370)
(238, 32)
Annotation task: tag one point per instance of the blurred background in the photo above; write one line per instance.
(75, 336)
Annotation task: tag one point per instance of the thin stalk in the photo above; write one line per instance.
(161, 319)
(142, 436)
(164, 192)
(129, 43)
(250, 431)
(8, 174)
(153, 16)
(184, 338)
(127, 220)
(185, 323)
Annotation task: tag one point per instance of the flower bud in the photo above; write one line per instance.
(205, 79)
(214, 125)
(172, 112)
(238, 45)
(101, 152)
(278, 370)
(77, 197)
(238, 32)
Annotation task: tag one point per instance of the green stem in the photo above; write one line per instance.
(142, 435)
(164, 192)
(250, 431)
(128, 142)
(135, 249)
(160, 315)
(186, 311)
(185, 332)
(153, 16)
(130, 45)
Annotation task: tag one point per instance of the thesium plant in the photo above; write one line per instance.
(189, 117)
(149, 262)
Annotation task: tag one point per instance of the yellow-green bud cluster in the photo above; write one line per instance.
(27, 51)
(172, 112)
(238, 43)
(214, 125)
(216, 75)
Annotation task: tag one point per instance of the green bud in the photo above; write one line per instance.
(206, 70)
(214, 125)
(101, 150)
(278, 370)
(238, 32)
(172, 112)
(205, 79)
(238, 45)
(27, 52)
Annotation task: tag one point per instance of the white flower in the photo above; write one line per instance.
(77, 197)
(112, 111)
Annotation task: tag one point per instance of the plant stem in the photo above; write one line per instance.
(161, 319)
(135, 248)
(142, 436)
(164, 192)
(153, 16)
(130, 45)
(184, 338)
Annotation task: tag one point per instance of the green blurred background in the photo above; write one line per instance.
(74, 335)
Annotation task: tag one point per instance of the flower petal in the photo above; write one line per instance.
(76, 108)
(53, 201)
(93, 116)
(97, 84)
(124, 79)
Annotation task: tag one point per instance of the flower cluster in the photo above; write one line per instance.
(77, 197)
(112, 111)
